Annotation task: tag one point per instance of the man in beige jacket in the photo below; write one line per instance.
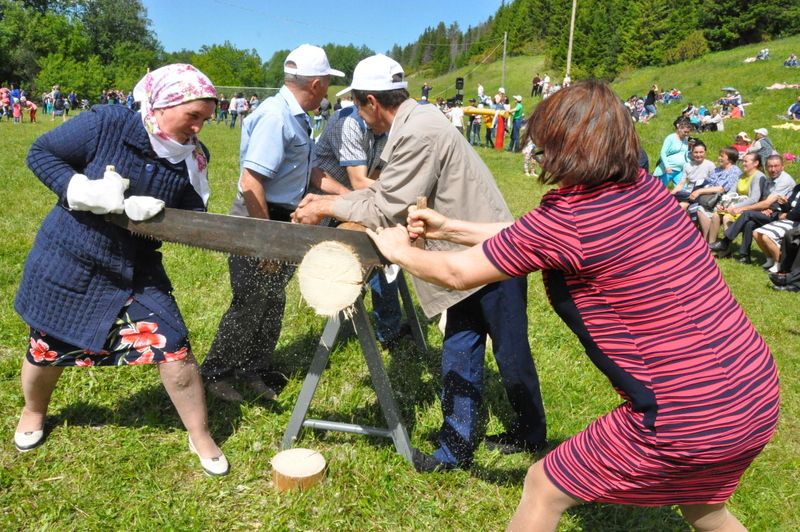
(426, 156)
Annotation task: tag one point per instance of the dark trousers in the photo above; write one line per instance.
(790, 256)
(249, 330)
(498, 310)
(385, 307)
(745, 224)
(515, 129)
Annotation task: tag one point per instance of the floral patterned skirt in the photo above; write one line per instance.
(136, 337)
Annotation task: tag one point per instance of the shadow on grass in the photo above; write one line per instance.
(152, 407)
(604, 517)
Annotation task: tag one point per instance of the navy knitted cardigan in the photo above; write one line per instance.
(82, 269)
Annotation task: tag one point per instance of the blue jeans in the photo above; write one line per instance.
(475, 134)
(385, 307)
(515, 127)
(234, 114)
(498, 310)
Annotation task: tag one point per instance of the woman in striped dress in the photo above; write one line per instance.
(699, 386)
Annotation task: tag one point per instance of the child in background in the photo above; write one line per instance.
(529, 163)
(488, 124)
(32, 108)
(16, 110)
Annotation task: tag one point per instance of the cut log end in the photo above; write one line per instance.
(297, 468)
(330, 277)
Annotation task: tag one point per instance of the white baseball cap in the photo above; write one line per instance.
(518, 97)
(309, 61)
(761, 131)
(376, 73)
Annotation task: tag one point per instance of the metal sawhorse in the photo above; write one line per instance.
(395, 429)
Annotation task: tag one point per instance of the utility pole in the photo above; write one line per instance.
(571, 33)
(505, 42)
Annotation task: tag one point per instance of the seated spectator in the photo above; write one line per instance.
(762, 146)
(695, 173)
(750, 189)
(726, 100)
(722, 181)
(763, 55)
(712, 122)
(788, 277)
(791, 61)
(694, 118)
(778, 183)
(640, 111)
(768, 237)
(742, 143)
(671, 96)
(794, 110)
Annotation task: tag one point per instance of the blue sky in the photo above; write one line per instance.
(270, 26)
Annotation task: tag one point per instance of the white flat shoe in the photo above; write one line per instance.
(28, 441)
(214, 467)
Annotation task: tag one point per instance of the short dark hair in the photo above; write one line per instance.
(389, 99)
(585, 136)
(776, 156)
(731, 152)
(681, 121)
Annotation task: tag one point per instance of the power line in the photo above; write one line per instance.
(467, 45)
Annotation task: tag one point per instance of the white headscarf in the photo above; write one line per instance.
(169, 86)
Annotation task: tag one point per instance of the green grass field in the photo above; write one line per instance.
(116, 456)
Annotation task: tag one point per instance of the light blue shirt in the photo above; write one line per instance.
(781, 185)
(276, 144)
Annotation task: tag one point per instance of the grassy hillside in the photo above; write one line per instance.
(116, 455)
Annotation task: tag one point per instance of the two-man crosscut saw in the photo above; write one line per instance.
(251, 237)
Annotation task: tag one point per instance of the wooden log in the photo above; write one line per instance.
(297, 468)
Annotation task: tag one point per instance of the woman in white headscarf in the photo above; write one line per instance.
(94, 294)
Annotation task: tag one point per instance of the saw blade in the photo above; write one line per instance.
(251, 237)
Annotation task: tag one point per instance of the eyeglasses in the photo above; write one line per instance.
(537, 156)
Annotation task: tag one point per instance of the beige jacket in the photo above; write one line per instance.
(426, 156)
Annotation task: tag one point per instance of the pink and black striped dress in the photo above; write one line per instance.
(633, 279)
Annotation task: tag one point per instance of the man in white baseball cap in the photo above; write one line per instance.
(377, 73)
(275, 161)
(426, 156)
(309, 60)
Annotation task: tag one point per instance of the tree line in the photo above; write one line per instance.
(610, 35)
(91, 45)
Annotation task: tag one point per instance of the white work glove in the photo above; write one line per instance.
(99, 196)
(139, 208)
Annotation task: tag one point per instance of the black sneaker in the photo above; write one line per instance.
(779, 279)
(425, 463)
(744, 259)
(403, 333)
(508, 443)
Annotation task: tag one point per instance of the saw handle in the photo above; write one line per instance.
(422, 203)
